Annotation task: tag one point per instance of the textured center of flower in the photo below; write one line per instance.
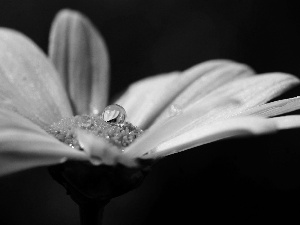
(111, 126)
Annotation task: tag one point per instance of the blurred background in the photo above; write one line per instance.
(241, 181)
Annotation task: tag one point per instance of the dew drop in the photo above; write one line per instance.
(152, 151)
(72, 146)
(114, 114)
(63, 160)
(174, 110)
(95, 111)
(95, 161)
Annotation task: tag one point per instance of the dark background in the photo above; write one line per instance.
(241, 181)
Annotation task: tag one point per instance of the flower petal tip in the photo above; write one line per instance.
(287, 122)
(80, 55)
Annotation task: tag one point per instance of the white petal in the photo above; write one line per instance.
(256, 90)
(212, 132)
(287, 122)
(100, 152)
(143, 99)
(79, 54)
(146, 99)
(208, 83)
(249, 92)
(24, 145)
(29, 84)
(160, 132)
(274, 108)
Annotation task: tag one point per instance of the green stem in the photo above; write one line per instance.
(91, 214)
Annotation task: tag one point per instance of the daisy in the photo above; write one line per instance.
(155, 117)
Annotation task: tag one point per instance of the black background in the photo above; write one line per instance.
(241, 181)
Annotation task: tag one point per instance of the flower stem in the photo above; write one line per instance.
(91, 214)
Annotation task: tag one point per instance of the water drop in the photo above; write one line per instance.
(152, 151)
(114, 114)
(95, 111)
(72, 146)
(63, 159)
(174, 110)
(96, 161)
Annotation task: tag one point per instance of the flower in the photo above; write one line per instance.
(180, 110)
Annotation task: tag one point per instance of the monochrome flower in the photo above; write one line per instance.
(213, 100)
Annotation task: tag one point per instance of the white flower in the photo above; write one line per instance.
(180, 110)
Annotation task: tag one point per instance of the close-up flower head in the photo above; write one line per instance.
(41, 98)
(56, 112)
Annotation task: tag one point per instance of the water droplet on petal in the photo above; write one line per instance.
(95, 161)
(95, 111)
(64, 159)
(152, 151)
(114, 114)
(174, 110)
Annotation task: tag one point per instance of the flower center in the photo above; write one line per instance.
(111, 126)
